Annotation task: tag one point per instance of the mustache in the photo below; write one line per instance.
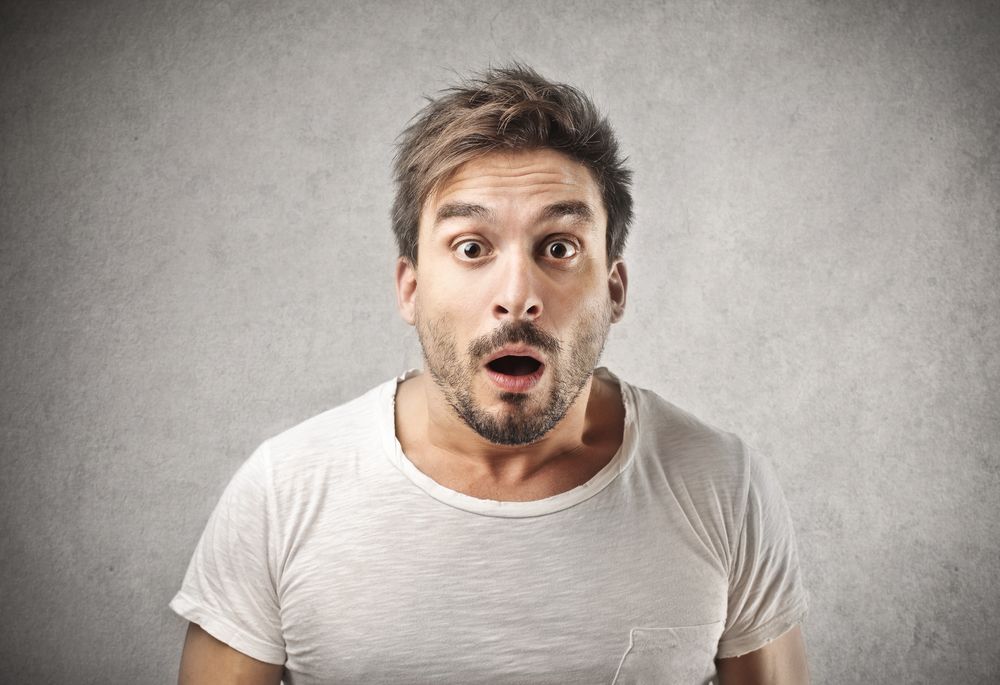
(508, 333)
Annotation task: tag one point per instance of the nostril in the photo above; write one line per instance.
(533, 311)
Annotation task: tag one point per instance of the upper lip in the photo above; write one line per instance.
(516, 351)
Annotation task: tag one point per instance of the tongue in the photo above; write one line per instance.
(512, 365)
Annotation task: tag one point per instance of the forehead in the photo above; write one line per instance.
(518, 180)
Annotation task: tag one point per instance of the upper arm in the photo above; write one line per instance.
(230, 588)
(208, 661)
(779, 662)
(766, 594)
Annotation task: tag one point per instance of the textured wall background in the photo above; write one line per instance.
(196, 255)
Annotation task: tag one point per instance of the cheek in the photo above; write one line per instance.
(590, 315)
(464, 305)
(568, 307)
(443, 322)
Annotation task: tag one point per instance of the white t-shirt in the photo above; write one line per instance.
(331, 553)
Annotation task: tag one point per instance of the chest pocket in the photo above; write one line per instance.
(670, 656)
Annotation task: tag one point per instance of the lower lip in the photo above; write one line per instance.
(516, 383)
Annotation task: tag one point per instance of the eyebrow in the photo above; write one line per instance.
(577, 210)
(462, 210)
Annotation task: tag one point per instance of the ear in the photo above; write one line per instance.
(617, 290)
(406, 289)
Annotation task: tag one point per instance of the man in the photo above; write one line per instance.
(509, 515)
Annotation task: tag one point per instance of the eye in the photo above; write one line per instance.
(560, 249)
(469, 250)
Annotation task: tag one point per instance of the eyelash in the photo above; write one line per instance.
(468, 241)
(573, 246)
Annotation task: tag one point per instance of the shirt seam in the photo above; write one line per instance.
(274, 570)
(623, 459)
(738, 646)
(195, 611)
(735, 541)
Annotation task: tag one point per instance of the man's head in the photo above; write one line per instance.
(519, 275)
(507, 109)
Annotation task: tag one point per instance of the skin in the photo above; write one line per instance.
(513, 278)
(207, 661)
(780, 662)
(457, 295)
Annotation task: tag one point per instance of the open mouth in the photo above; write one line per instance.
(515, 365)
(515, 373)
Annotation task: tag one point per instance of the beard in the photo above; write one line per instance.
(525, 419)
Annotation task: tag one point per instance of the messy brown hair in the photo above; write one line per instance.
(507, 108)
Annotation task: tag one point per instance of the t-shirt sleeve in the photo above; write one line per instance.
(229, 588)
(766, 594)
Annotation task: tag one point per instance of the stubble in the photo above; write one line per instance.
(522, 421)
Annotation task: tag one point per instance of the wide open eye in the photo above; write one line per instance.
(560, 249)
(470, 250)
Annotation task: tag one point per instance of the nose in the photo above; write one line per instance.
(518, 295)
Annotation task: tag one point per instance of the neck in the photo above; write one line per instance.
(444, 447)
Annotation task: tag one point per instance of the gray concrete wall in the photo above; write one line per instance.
(196, 255)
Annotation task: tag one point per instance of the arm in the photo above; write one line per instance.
(779, 662)
(207, 661)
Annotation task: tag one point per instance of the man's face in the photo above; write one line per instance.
(512, 295)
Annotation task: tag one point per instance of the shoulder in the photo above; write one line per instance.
(683, 445)
(332, 446)
(341, 426)
(687, 465)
